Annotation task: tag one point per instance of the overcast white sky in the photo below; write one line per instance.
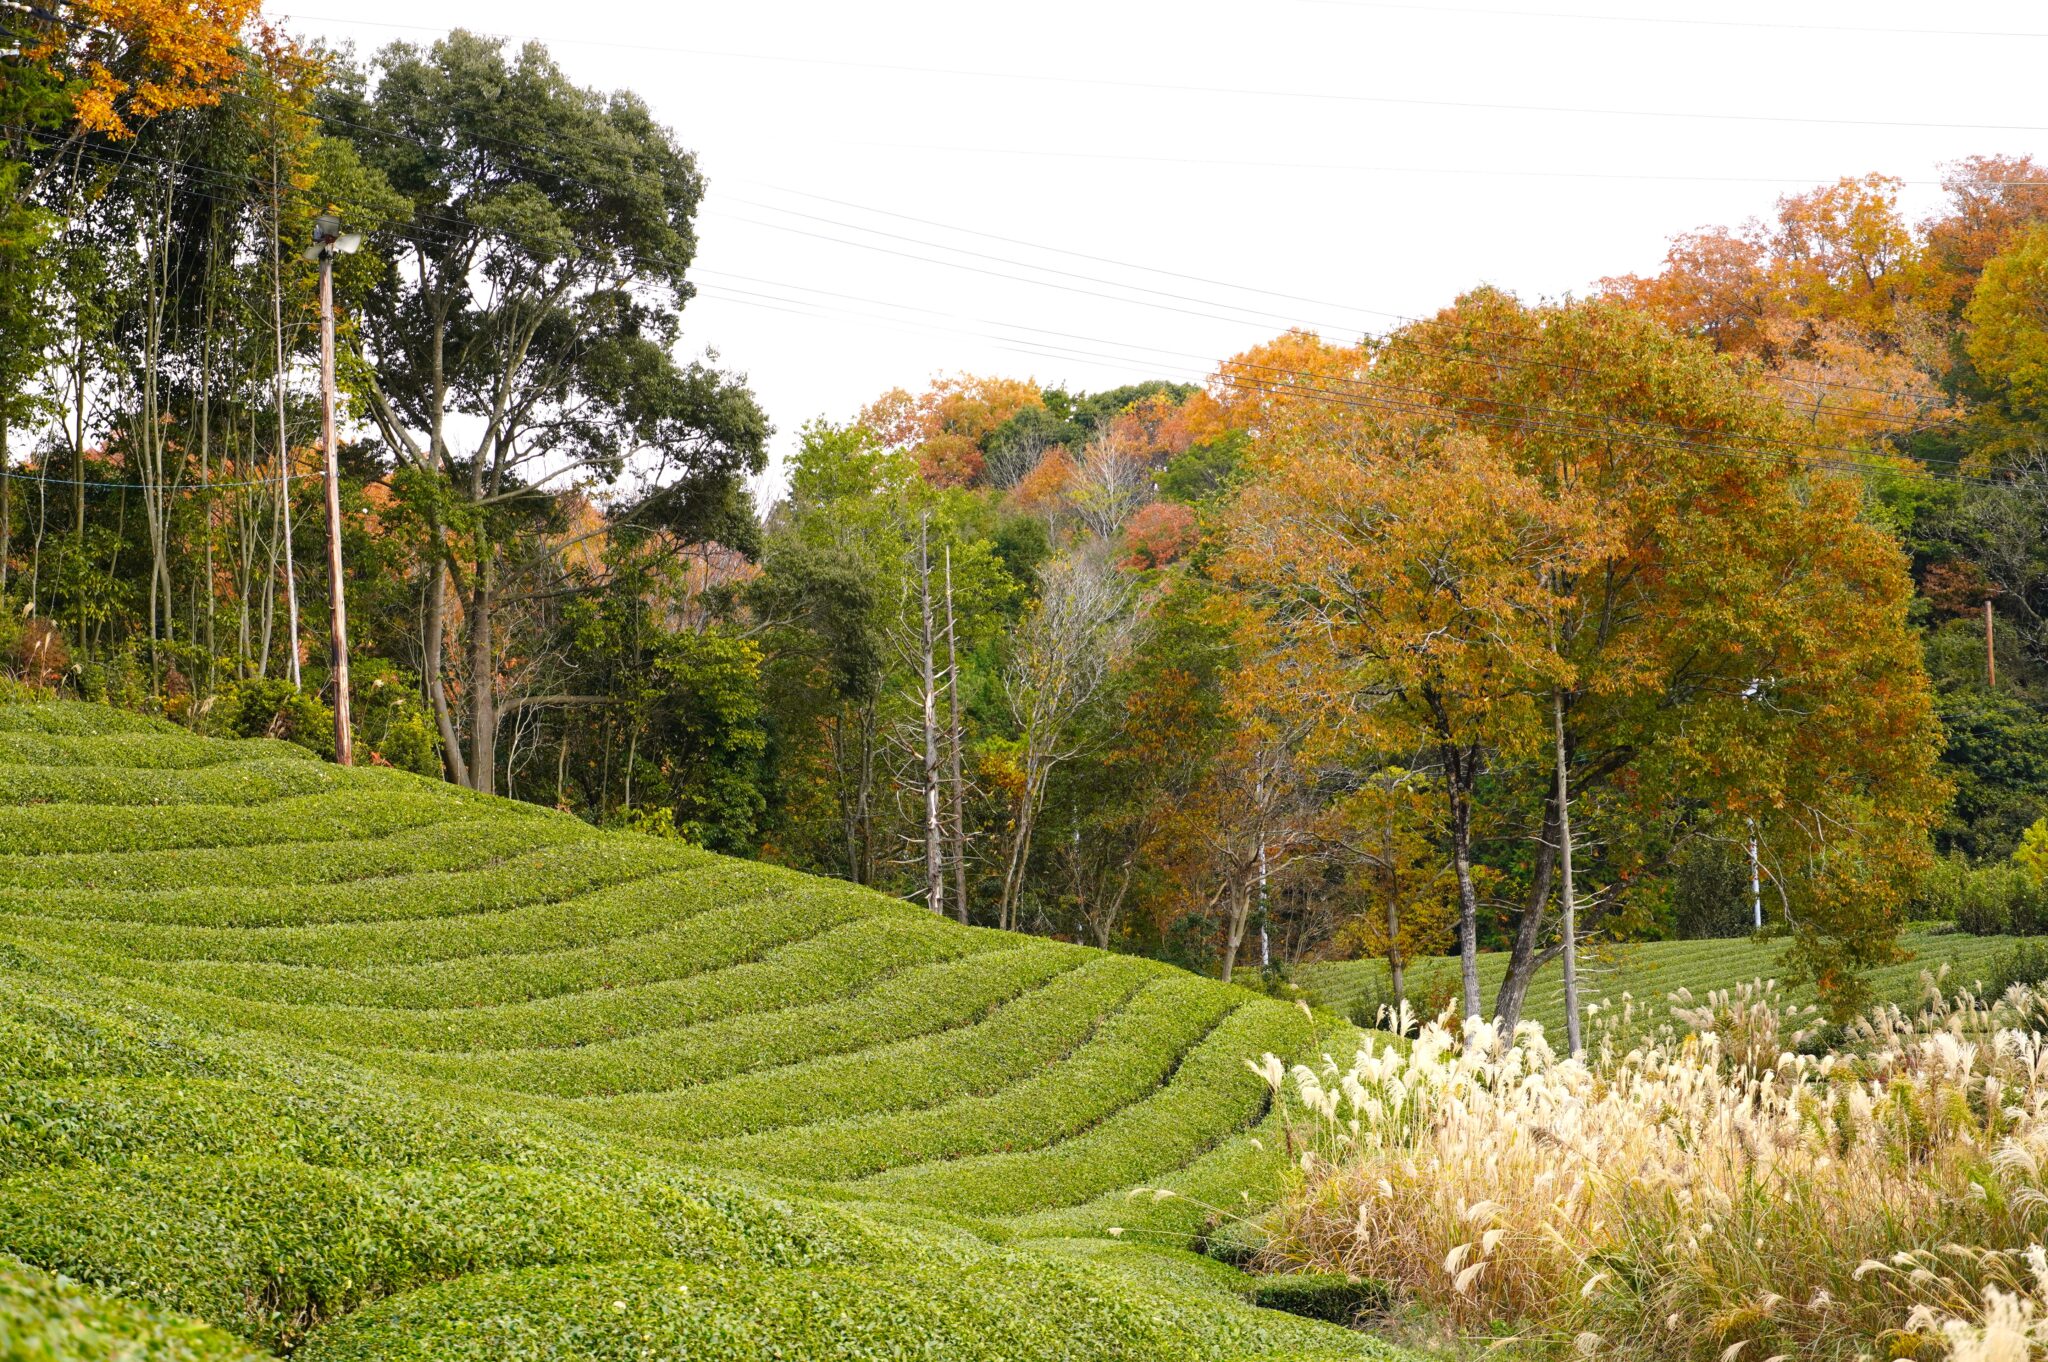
(1322, 162)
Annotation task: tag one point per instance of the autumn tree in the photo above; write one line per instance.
(1412, 574)
(1387, 834)
(1746, 653)
(1826, 301)
(944, 427)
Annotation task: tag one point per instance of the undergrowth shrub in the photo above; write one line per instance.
(2000, 899)
(272, 707)
(2023, 964)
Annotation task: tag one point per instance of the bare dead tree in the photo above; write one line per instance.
(928, 697)
(1085, 620)
(1112, 480)
(953, 745)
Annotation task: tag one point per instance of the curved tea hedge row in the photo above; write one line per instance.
(348, 1064)
(1647, 972)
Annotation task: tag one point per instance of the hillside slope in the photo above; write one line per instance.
(353, 1065)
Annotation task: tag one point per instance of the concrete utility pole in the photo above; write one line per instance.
(1756, 880)
(328, 242)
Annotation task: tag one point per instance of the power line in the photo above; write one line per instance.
(1284, 319)
(1366, 396)
(1247, 92)
(1349, 167)
(1674, 20)
(1477, 357)
(467, 227)
(1474, 357)
(1209, 366)
(460, 226)
(1832, 384)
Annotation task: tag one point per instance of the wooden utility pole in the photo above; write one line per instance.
(1990, 653)
(327, 242)
(959, 798)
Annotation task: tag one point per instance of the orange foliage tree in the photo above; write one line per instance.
(943, 426)
(1515, 499)
(1826, 302)
(128, 61)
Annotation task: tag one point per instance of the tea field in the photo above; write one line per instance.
(351, 1065)
(1646, 973)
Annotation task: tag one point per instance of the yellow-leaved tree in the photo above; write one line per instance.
(1512, 532)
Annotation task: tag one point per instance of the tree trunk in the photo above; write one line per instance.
(434, 659)
(483, 698)
(1459, 764)
(284, 458)
(6, 506)
(953, 741)
(1523, 958)
(1564, 844)
(1396, 965)
(1237, 919)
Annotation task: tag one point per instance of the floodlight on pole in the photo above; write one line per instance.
(329, 241)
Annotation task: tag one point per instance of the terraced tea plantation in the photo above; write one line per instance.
(1648, 972)
(352, 1065)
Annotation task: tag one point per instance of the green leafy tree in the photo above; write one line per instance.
(521, 342)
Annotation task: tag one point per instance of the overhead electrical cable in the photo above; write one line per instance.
(1247, 92)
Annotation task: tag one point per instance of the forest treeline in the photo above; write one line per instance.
(1717, 563)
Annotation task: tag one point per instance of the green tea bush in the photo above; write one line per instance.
(1322, 1295)
(358, 1065)
(1130, 1053)
(913, 1002)
(504, 847)
(57, 829)
(48, 1318)
(276, 1247)
(729, 962)
(649, 931)
(1210, 1095)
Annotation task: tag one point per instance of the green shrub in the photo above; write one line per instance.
(272, 707)
(1322, 1295)
(1129, 1053)
(2003, 900)
(1710, 892)
(1940, 890)
(47, 1318)
(915, 1002)
(2023, 962)
(950, 1300)
(274, 1247)
(647, 931)
(1208, 1097)
(728, 962)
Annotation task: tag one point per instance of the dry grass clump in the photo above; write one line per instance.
(1717, 1195)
